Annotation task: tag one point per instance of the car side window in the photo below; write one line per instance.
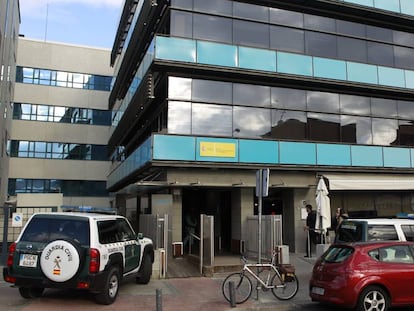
(125, 232)
(408, 232)
(382, 233)
(107, 231)
(394, 254)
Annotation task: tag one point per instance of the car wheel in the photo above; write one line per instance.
(60, 260)
(31, 292)
(145, 272)
(373, 298)
(110, 291)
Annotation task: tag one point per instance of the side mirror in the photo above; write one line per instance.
(140, 236)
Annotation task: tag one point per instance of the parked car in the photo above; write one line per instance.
(365, 276)
(68, 250)
(375, 229)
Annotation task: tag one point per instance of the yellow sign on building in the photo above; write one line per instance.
(217, 149)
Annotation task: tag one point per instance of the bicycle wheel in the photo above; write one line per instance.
(285, 289)
(242, 287)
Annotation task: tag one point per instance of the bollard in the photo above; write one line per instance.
(158, 298)
(232, 292)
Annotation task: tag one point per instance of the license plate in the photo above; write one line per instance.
(28, 260)
(318, 291)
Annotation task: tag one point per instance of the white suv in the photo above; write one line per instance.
(88, 251)
(374, 229)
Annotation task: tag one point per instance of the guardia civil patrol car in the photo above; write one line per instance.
(68, 250)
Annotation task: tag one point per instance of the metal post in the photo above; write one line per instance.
(158, 298)
(5, 234)
(259, 231)
(232, 292)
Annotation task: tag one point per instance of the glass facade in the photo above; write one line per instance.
(63, 79)
(81, 188)
(54, 150)
(258, 111)
(74, 115)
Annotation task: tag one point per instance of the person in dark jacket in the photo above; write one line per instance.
(311, 236)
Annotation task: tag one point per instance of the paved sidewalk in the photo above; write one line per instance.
(203, 293)
(177, 294)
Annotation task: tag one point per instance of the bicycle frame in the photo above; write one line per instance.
(270, 266)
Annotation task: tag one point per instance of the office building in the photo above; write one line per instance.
(206, 93)
(60, 127)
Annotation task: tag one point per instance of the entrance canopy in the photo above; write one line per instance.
(354, 181)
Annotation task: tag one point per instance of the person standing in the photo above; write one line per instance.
(310, 230)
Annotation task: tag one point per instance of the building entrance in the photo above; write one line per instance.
(211, 202)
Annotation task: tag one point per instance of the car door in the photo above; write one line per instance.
(132, 248)
(398, 272)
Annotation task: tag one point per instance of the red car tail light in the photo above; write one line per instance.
(94, 260)
(10, 256)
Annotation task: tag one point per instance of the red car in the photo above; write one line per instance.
(365, 276)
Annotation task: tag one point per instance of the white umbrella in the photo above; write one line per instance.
(323, 207)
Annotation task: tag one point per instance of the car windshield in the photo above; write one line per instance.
(46, 229)
(337, 254)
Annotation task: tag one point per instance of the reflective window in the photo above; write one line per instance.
(287, 39)
(352, 49)
(251, 34)
(323, 102)
(380, 34)
(403, 38)
(319, 44)
(383, 107)
(350, 28)
(380, 54)
(81, 188)
(251, 95)
(181, 24)
(63, 79)
(252, 122)
(214, 6)
(406, 133)
(214, 120)
(57, 150)
(284, 17)
(288, 124)
(384, 132)
(185, 4)
(319, 23)
(324, 127)
(214, 28)
(288, 98)
(358, 105)
(179, 117)
(356, 130)
(406, 109)
(61, 114)
(404, 57)
(212, 91)
(179, 88)
(250, 11)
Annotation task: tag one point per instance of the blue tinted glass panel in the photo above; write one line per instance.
(397, 157)
(389, 5)
(217, 54)
(409, 79)
(391, 76)
(175, 49)
(257, 59)
(366, 156)
(329, 68)
(255, 151)
(294, 64)
(173, 148)
(330, 154)
(407, 7)
(363, 73)
(297, 153)
(362, 2)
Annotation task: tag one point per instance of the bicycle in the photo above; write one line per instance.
(281, 279)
